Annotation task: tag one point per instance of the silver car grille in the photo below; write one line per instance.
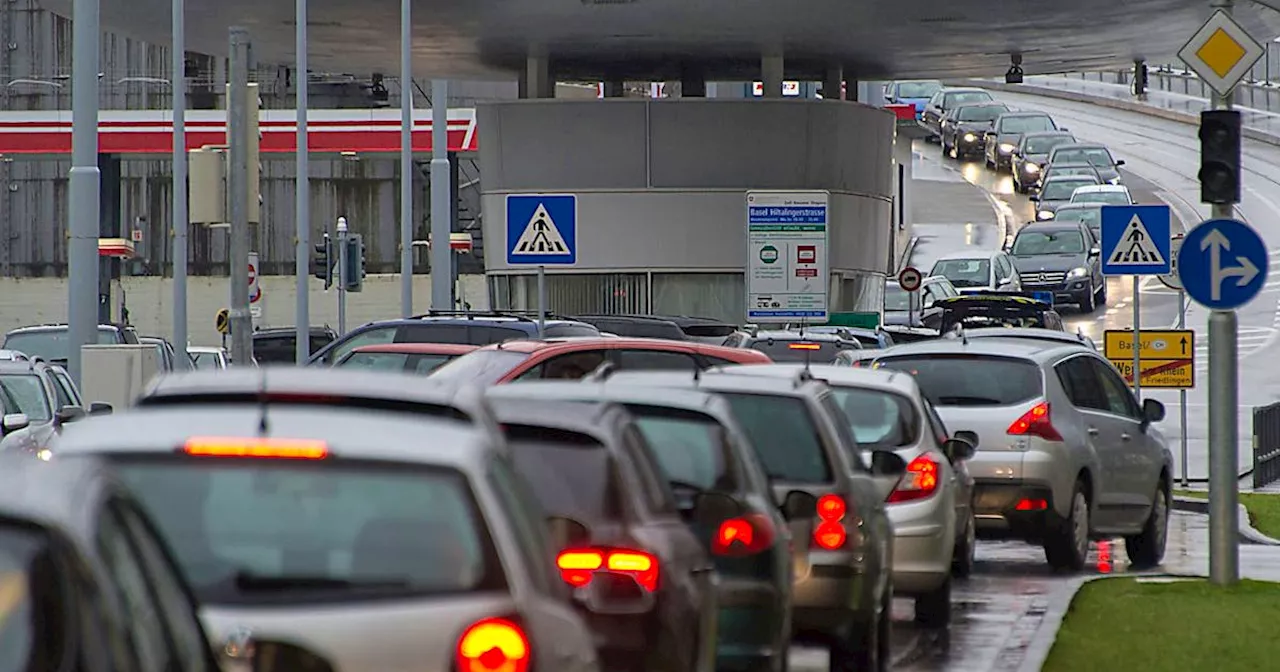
(1046, 278)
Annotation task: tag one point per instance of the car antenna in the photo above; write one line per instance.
(263, 428)
(808, 354)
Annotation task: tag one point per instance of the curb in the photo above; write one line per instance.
(1037, 651)
(1102, 101)
(1248, 534)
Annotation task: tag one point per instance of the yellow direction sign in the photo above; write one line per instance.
(1221, 52)
(222, 321)
(1168, 357)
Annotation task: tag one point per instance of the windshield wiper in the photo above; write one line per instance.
(248, 581)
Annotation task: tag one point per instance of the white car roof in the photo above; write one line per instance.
(1095, 188)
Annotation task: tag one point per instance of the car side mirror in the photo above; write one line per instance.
(1119, 162)
(100, 408)
(1152, 410)
(567, 532)
(712, 508)
(799, 505)
(14, 422)
(1094, 252)
(887, 463)
(615, 594)
(961, 446)
(68, 414)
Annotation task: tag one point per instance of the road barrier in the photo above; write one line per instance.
(1266, 445)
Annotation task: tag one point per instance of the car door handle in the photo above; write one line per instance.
(1093, 431)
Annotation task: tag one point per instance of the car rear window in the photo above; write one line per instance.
(967, 97)
(801, 351)
(51, 345)
(690, 447)
(572, 474)
(783, 433)
(878, 419)
(971, 380)
(1026, 124)
(482, 367)
(570, 330)
(32, 634)
(260, 531)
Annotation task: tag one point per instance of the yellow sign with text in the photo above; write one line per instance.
(1168, 356)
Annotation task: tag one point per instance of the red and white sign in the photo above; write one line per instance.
(806, 254)
(461, 242)
(151, 131)
(255, 290)
(909, 279)
(806, 272)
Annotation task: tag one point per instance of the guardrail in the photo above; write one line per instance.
(1257, 94)
(1266, 445)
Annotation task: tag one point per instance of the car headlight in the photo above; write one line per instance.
(1078, 272)
(1006, 148)
(1031, 167)
(1044, 214)
(969, 137)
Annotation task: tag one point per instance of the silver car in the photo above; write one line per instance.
(973, 271)
(337, 529)
(1064, 454)
(929, 505)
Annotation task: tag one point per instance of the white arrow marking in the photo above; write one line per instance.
(1215, 242)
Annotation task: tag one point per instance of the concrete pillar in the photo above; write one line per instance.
(693, 83)
(833, 83)
(771, 74)
(613, 88)
(852, 87)
(536, 82)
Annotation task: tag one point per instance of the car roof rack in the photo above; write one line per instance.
(520, 315)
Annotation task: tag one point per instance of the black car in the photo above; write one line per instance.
(84, 575)
(947, 99)
(1063, 258)
(1095, 155)
(1007, 131)
(279, 345)
(672, 327)
(1032, 155)
(49, 341)
(799, 345)
(1056, 191)
(1061, 169)
(963, 129)
(591, 469)
(997, 311)
(903, 310)
(1089, 214)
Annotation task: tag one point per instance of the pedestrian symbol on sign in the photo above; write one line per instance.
(1136, 247)
(541, 236)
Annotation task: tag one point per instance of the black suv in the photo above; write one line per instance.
(278, 345)
(1063, 258)
(672, 327)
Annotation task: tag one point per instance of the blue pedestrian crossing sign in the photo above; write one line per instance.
(1223, 264)
(1136, 240)
(542, 229)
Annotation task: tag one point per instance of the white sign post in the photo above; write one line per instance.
(787, 273)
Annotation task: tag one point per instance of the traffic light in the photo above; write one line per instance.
(322, 265)
(354, 272)
(1220, 157)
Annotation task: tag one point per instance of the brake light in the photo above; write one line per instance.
(804, 346)
(1035, 422)
(747, 535)
(577, 566)
(288, 449)
(493, 645)
(1032, 505)
(919, 481)
(830, 533)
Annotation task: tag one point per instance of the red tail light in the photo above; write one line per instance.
(830, 533)
(747, 535)
(494, 645)
(578, 565)
(919, 481)
(1035, 422)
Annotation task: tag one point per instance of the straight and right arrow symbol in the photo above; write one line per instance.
(1215, 243)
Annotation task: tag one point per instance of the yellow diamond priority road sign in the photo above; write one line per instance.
(1221, 52)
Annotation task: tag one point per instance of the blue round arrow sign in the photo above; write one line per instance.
(1223, 264)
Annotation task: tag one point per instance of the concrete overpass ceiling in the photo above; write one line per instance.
(488, 39)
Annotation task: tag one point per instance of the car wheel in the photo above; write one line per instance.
(1066, 543)
(933, 609)
(963, 557)
(1086, 302)
(1146, 549)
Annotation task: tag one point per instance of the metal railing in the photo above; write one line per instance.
(1266, 445)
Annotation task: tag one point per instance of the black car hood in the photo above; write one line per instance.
(1049, 263)
(1051, 206)
(1011, 138)
(973, 126)
(1035, 158)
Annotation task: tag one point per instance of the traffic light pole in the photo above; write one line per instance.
(302, 191)
(1224, 550)
(342, 275)
(238, 192)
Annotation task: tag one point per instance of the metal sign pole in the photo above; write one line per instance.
(1182, 393)
(302, 191)
(342, 275)
(1224, 541)
(542, 300)
(238, 188)
(181, 226)
(84, 207)
(1137, 342)
(441, 199)
(406, 158)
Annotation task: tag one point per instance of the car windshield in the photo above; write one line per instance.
(1061, 190)
(255, 531)
(207, 360)
(782, 431)
(966, 97)
(482, 367)
(1036, 243)
(1090, 216)
(918, 89)
(964, 272)
(376, 361)
(1095, 156)
(980, 112)
(1045, 145)
(896, 298)
(26, 393)
(1026, 124)
(967, 380)
(878, 419)
(690, 447)
(1068, 171)
(51, 344)
(799, 351)
(1106, 197)
(571, 474)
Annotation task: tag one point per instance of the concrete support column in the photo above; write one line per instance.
(852, 87)
(613, 88)
(536, 82)
(771, 74)
(902, 196)
(693, 83)
(833, 83)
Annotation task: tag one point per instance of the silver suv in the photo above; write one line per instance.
(1065, 453)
